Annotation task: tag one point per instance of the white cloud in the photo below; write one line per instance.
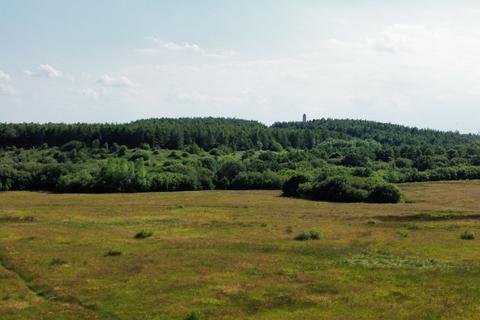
(5, 87)
(385, 76)
(161, 46)
(178, 46)
(45, 71)
(109, 81)
(401, 73)
(90, 93)
(5, 76)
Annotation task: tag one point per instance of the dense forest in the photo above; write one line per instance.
(326, 159)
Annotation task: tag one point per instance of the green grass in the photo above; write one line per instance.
(231, 255)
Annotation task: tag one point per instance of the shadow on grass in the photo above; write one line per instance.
(433, 216)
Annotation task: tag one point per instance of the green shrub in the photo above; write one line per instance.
(143, 234)
(305, 235)
(308, 235)
(256, 180)
(385, 193)
(215, 152)
(402, 233)
(194, 315)
(290, 187)
(315, 235)
(338, 189)
(57, 262)
(305, 189)
(372, 221)
(114, 253)
(140, 154)
(168, 181)
(467, 235)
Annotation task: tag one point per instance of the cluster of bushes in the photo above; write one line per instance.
(143, 234)
(467, 235)
(308, 235)
(257, 180)
(342, 188)
(461, 172)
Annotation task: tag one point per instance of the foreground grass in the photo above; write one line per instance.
(231, 255)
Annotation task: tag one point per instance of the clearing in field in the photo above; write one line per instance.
(231, 255)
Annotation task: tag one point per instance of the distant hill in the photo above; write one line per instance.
(385, 133)
(236, 134)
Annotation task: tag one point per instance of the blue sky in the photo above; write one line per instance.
(408, 62)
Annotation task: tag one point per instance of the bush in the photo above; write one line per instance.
(385, 193)
(228, 171)
(72, 145)
(305, 235)
(57, 262)
(194, 149)
(337, 186)
(402, 233)
(168, 181)
(308, 235)
(195, 316)
(372, 221)
(143, 234)
(290, 187)
(114, 253)
(75, 182)
(362, 172)
(256, 180)
(467, 235)
(122, 151)
(120, 175)
(338, 189)
(315, 235)
(215, 152)
(140, 154)
(354, 159)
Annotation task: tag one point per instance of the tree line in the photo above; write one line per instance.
(356, 158)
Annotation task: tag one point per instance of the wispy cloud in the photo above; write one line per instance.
(120, 82)
(90, 93)
(5, 87)
(160, 46)
(45, 71)
(178, 46)
(4, 76)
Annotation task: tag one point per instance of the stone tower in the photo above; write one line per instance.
(304, 118)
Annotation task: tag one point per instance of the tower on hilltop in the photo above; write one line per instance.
(304, 118)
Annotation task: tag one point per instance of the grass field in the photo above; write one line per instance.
(231, 255)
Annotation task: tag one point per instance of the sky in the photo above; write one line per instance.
(409, 62)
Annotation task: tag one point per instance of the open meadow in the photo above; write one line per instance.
(231, 255)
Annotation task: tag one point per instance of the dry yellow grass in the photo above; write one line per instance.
(230, 255)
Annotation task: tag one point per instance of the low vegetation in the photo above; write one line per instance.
(143, 234)
(213, 258)
(467, 235)
(114, 253)
(308, 235)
